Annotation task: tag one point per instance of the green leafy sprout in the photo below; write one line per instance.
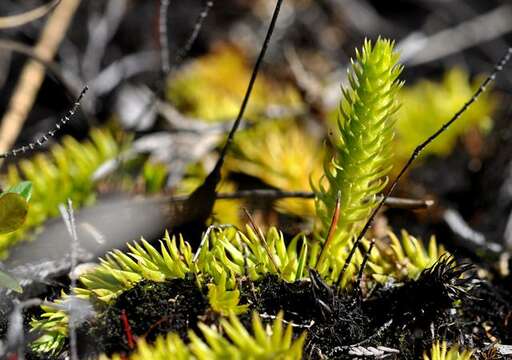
(356, 170)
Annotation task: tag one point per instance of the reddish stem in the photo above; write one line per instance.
(127, 330)
(330, 233)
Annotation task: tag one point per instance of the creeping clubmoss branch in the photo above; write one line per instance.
(284, 156)
(418, 150)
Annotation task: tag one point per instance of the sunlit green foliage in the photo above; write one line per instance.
(441, 351)
(212, 87)
(362, 143)
(232, 341)
(164, 348)
(120, 271)
(284, 156)
(53, 324)
(154, 176)
(224, 300)
(14, 206)
(406, 258)
(66, 172)
(428, 104)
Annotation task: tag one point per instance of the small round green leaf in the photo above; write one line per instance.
(13, 212)
(8, 282)
(24, 188)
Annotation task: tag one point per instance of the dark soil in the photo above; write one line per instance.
(151, 309)
(447, 301)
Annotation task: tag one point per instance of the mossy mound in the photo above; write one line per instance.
(151, 308)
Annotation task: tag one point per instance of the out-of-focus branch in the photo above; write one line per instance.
(11, 21)
(33, 73)
(275, 194)
(101, 29)
(419, 48)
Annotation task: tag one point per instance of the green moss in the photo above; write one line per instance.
(441, 351)
(211, 88)
(428, 104)
(66, 172)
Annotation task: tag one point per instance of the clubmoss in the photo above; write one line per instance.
(356, 171)
(230, 341)
(212, 87)
(283, 155)
(152, 291)
(65, 173)
(427, 104)
(441, 351)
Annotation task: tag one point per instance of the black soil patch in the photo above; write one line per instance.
(151, 309)
(399, 317)
(330, 319)
(445, 302)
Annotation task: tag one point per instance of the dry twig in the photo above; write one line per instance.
(33, 73)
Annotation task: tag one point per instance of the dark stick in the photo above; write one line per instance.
(497, 68)
(180, 55)
(245, 101)
(274, 194)
(164, 47)
(363, 264)
(205, 193)
(49, 134)
(260, 236)
(163, 36)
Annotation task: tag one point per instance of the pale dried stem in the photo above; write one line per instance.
(33, 73)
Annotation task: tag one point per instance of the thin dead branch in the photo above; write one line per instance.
(205, 193)
(33, 73)
(11, 21)
(419, 48)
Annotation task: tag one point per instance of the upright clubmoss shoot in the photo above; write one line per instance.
(362, 144)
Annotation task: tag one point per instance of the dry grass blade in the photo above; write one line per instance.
(33, 73)
(11, 21)
(69, 219)
(261, 237)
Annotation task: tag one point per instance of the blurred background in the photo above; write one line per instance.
(147, 131)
